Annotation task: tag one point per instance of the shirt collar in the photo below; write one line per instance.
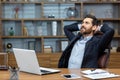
(86, 38)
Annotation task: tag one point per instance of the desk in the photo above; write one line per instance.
(4, 75)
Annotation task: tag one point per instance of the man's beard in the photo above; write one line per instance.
(84, 31)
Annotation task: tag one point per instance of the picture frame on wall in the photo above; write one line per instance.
(31, 45)
(63, 44)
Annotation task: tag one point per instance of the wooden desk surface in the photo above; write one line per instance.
(4, 75)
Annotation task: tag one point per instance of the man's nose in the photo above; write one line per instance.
(82, 24)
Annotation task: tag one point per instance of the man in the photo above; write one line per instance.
(86, 47)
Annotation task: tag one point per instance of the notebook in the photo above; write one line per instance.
(27, 62)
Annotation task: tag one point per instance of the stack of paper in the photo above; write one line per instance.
(98, 74)
(47, 49)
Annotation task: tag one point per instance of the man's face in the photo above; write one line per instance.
(87, 26)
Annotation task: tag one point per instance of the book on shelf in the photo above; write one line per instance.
(3, 67)
(47, 49)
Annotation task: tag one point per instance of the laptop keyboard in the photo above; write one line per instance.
(44, 71)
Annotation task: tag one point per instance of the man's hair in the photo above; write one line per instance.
(95, 20)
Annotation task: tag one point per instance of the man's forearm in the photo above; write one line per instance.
(69, 29)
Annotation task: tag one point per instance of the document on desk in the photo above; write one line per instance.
(98, 74)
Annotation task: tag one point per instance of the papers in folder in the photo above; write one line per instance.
(98, 74)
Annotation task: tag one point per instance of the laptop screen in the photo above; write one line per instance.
(27, 62)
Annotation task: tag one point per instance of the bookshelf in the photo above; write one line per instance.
(33, 24)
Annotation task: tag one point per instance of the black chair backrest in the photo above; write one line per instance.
(104, 59)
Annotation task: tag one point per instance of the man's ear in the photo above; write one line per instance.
(94, 28)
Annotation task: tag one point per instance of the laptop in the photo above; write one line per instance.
(27, 62)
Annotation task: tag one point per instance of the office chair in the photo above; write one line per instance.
(104, 59)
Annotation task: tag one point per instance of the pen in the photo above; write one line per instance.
(14, 73)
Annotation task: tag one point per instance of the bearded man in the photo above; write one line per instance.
(86, 47)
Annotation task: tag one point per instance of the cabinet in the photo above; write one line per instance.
(32, 22)
(4, 61)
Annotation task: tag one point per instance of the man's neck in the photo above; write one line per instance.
(86, 35)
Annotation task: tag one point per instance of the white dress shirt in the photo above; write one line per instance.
(77, 52)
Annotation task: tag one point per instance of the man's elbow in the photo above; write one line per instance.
(112, 31)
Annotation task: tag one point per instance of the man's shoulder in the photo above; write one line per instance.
(98, 33)
(97, 37)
